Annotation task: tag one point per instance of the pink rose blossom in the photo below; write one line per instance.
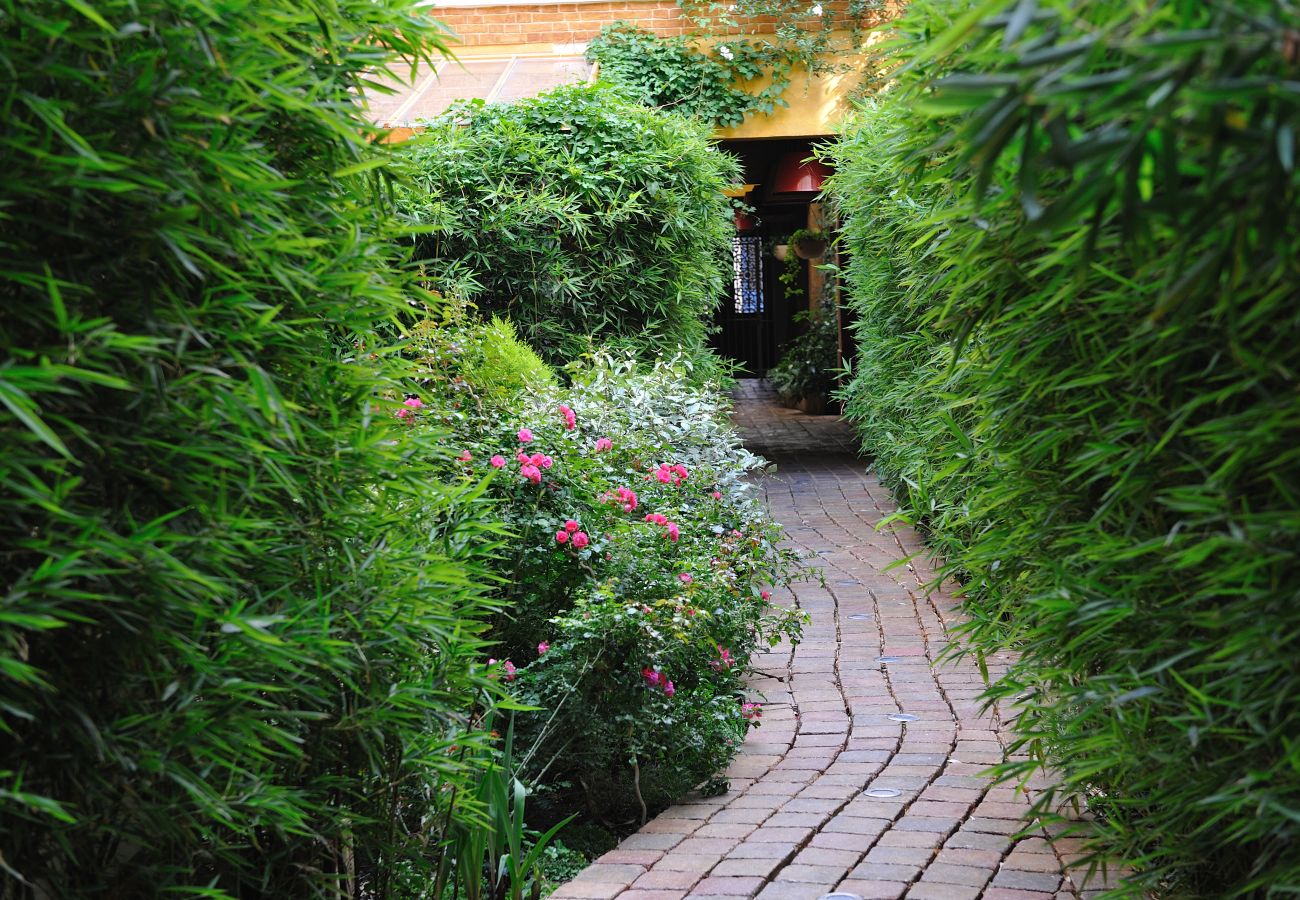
(651, 677)
(717, 495)
(531, 473)
(498, 461)
(524, 435)
(580, 540)
(465, 456)
(724, 659)
(411, 404)
(570, 420)
(522, 458)
(669, 690)
(685, 578)
(511, 672)
(542, 648)
(603, 444)
(561, 537)
(766, 595)
(674, 532)
(547, 462)
(570, 526)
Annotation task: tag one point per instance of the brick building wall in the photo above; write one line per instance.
(575, 23)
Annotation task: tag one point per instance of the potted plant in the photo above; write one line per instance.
(809, 243)
(805, 376)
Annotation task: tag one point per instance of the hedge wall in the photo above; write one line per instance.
(577, 214)
(1074, 236)
(238, 612)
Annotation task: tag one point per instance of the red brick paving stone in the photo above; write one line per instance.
(681, 862)
(858, 843)
(743, 886)
(974, 840)
(693, 846)
(806, 874)
(994, 826)
(635, 894)
(660, 879)
(610, 874)
(878, 871)
(765, 835)
(764, 850)
(761, 868)
(905, 856)
(788, 890)
(631, 857)
(1047, 882)
(795, 820)
(822, 856)
(644, 840)
(935, 891)
(580, 890)
(945, 873)
(732, 831)
(1032, 862)
(911, 839)
(986, 859)
(910, 822)
(938, 808)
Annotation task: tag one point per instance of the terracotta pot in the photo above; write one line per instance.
(810, 248)
(813, 404)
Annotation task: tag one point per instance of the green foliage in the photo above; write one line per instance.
(601, 601)
(576, 215)
(716, 73)
(561, 863)
(676, 73)
(240, 620)
(808, 365)
(493, 361)
(1078, 368)
(491, 863)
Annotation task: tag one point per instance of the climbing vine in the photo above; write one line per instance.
(715, 72)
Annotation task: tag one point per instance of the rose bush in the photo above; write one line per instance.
(637, 571)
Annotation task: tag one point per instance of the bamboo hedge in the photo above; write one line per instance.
(1075, 260)
(239, 614)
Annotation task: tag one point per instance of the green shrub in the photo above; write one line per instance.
(240, 620)
(576, 215)
(600, 595)
(1078, 369)
(507, 366)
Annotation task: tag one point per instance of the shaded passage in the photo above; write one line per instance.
(866, 776)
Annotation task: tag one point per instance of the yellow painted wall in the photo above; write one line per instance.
(816, 102)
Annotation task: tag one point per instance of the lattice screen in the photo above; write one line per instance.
(747, 266)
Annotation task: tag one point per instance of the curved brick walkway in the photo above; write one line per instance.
(866, 775)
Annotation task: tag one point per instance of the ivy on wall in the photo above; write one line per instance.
(715, 72)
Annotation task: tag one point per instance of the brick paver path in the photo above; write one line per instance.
(866, 776)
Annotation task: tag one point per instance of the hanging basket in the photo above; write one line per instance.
(781, 251)
(809, 246)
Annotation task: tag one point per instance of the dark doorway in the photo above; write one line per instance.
(745, 316)
(757, 316)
